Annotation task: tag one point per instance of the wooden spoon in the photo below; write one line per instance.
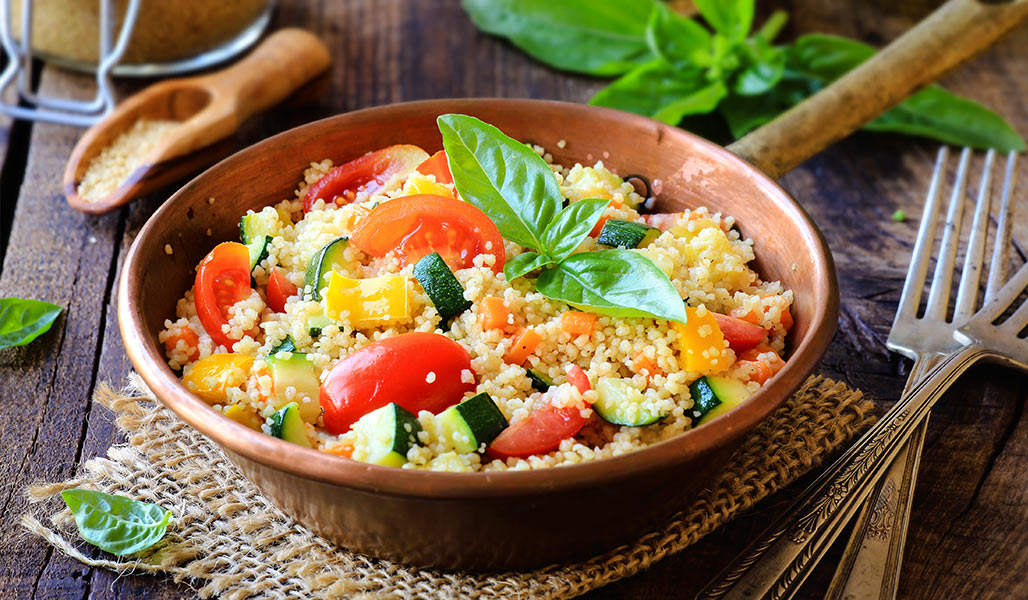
(208, 107)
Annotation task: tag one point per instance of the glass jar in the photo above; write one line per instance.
(170, 36)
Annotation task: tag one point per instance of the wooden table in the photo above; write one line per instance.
(969, 530)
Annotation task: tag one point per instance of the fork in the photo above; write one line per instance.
(870, 566)
(777, 562)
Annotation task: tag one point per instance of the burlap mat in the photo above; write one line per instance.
(229, 541)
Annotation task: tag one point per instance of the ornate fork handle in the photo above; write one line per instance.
(776, 564)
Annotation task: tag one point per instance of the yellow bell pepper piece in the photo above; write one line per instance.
(369, 302)
(243, 416)
(701, 344)
(211, 377)
(419, 184)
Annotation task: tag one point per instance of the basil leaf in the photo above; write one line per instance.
(733, 18)
(22, 321)
(764, 68)
(502, 177)
(657, 90)
(619, 283)
(933, 112)
(572, 225)
(678, 41)
(116, 524)
(745, 113)
(586, 36)
(524, 263)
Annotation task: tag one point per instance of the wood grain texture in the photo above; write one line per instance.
(969, 526)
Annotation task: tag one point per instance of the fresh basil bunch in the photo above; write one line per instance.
(114, 523)
(511, 184)
(671, 66)
(22, 321)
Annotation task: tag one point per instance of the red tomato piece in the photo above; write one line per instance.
(414, 226)
(279, 290)
(662, 221)
(368, 173)
(578, 378)
(419, 371)
(437, 165)
(741, 335)
(222, 279)
(538, 433)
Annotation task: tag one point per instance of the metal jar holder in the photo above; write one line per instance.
(82, 113)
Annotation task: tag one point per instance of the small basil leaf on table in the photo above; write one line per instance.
(502, 177)
(618, 283)
(657, 90)
(733, 18)
(116, 524)
(678, 41)
(524, 263)
(22, 321)
(587, 36)
(571, 226)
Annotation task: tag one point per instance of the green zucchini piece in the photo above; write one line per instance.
(472, 423)
(385, 435)
(713, 396)
(539, 381)
(287, 425)
(259, 250)
(292, 369)
(626, 234)
(621, 404)
(322, 264)
(286, 345)
(315, 323)
(253, 226)
(441, 286)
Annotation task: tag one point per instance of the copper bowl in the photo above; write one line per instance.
(481, 521)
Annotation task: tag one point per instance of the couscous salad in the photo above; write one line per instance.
(482, 308)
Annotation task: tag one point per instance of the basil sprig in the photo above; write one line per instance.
(672, 67)
(116, 524)
(511, 184)
(22, 321)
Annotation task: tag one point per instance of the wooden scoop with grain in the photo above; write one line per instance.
(170, 130)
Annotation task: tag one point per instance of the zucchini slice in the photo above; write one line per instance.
(287, 425)
(315, 323)
(472, 423)
(322, 264)
(286, 345)
(539, 381)
(713, 396)
(293, 370)
(626, 234)
(441, 286)
(621, 404)
(259, 250)
(385, 435)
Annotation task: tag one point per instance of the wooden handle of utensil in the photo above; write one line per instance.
(952, 34)
(282, 63)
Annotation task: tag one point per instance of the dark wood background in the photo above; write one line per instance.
(969, 530)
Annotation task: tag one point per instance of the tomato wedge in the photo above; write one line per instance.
(368, 173)
(419, 371)
(578, 378)
(437, 165)
(741, 335)
(279, 290)
(538, 433)
(222, 279)
(414, 226)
